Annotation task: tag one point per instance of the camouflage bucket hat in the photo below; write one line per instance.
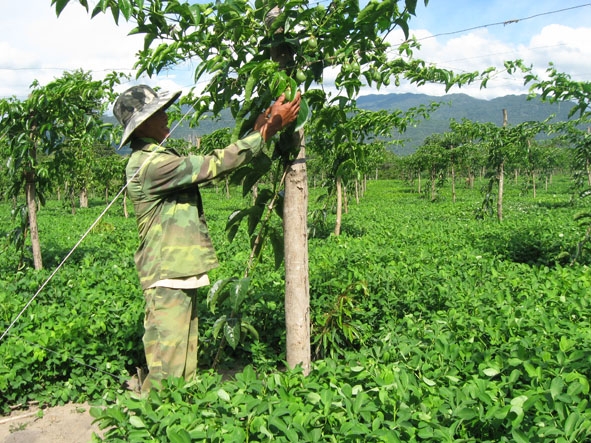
(137, 104)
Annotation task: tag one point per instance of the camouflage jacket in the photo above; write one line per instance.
(174, 240)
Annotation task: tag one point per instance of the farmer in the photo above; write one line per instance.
(175, 251)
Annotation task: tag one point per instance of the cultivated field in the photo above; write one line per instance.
(427, 325)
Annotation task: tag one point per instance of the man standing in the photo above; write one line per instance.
(175, 251)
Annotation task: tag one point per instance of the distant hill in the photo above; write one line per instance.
(460, 106)
(454, 106)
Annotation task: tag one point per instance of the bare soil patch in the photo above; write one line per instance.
(71, 423)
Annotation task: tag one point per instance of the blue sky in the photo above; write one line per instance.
(466, 35)
(462, 35)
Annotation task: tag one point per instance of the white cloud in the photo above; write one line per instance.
(566, 47)
(36, 45)
(479, 49)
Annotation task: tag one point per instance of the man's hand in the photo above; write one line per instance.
(278, 116)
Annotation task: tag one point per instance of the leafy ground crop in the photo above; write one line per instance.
(427, 325)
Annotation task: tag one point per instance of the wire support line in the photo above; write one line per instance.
(92, 226)
(389, 50)
(505, 22)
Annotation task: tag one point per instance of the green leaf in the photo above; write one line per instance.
(519, 436)
(411, 5)
(303, 115)
(178, 435)
(570, 425)
(261, 164)
(519, 401)
(248, 328)
(565, 344)
(233, 223)
(278, 244)
(491, 372)
(219, 292)
(278, 84)
(218, 325)
(428, 381)
(136, 422)
(60, 5)
(96, 412)
(223, 394)
(239, 293)
(313, 397)
(255, 214)
(466, 413)
(232, 329)
(250, 83)
(263, 430)
(556, 387)
(126, 8)
(278, 423)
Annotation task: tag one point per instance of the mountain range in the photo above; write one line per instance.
(461, 106)
(453, 106)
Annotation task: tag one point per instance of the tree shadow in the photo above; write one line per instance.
(526, 246)
(556, 205)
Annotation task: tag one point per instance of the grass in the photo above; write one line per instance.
(483, 327)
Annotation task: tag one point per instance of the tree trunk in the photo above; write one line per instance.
(72, 202)
(297, 286)
(84, 198)
(501, 175)
(31, 194)
(255, 193)
(501, 178)
(433, 184)
(453, 183)
(33, 226)
(337, 225)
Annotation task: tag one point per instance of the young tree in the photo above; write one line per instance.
(559, 87)
(252, 52)
(433, 157)
(108, 169)
(52, 117)
(580, 140)
(471, 155)
(344, 139)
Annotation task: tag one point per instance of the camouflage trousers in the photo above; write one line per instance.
(170, 334)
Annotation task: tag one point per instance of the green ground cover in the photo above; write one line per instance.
(427, 325)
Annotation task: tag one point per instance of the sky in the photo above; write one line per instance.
(460, 35)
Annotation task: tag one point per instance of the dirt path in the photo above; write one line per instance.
(71, 423)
